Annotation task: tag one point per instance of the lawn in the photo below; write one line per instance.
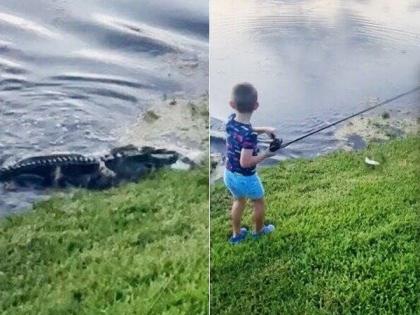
(137, 249)
(346, 239)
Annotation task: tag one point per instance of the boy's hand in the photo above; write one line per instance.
(270, 131)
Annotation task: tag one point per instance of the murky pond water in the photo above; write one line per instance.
(73, 74)
(313, 62)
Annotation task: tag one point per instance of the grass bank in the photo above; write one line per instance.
(137, 249)
(346, 240)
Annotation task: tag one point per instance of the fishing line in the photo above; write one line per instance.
(281, 146)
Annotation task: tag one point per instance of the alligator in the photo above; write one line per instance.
(122, 164)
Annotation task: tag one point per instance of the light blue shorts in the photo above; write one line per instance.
(241, 186)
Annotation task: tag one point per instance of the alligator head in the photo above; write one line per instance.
(131, 163)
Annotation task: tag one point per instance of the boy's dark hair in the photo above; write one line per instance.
(245, 96)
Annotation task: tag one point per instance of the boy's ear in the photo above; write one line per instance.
(256, 105)
(232, 104)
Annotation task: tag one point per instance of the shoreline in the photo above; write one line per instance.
(380, 126)
(353, 135)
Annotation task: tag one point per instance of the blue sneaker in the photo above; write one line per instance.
(240, 237)
(267, 229)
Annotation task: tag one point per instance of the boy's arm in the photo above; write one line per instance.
(268, 130)
(248, 160)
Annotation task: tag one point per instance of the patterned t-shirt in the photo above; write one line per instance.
(239, 136)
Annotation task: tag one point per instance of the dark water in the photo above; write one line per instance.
(313, 62)
(73, 74)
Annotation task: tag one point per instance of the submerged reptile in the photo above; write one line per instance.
(122, 164)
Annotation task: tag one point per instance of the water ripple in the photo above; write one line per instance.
(97, 78)
(27, 26)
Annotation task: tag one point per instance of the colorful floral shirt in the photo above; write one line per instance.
(239, 136)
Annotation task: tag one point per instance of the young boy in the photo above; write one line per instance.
(240, 176)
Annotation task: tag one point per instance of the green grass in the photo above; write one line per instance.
(137, 249)
(346, 240)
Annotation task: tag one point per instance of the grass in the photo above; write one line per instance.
(346, 239)
(137, 249)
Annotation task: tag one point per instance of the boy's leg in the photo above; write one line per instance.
(259, 212)
(236, 214)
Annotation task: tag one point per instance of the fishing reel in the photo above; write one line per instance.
(275, 144)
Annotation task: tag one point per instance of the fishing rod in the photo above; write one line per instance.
(277, 144)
